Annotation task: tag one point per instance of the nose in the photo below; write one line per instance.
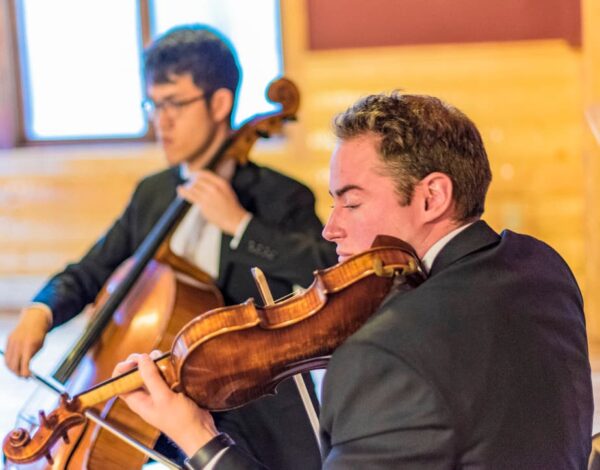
(332, 230)
(161, 120)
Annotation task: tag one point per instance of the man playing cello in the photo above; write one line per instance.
(242, 216)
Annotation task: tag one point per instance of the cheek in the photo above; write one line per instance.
(364, 229)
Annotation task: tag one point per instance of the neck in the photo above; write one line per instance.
(204, 154)
(431, 234)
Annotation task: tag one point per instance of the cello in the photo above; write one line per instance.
(229, 356)
(142, 306)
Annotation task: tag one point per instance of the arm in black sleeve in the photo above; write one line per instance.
(222, 453)
(70, 290)
(379, 412)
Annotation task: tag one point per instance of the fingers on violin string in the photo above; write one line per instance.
(133, 357)
(155, 353)
(151, 376)
(125, 365)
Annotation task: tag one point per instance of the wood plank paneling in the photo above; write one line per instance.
(591, 158)
(526, 98)
(9, 103)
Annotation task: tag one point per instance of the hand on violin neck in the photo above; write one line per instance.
(215, 198)
(189, 426)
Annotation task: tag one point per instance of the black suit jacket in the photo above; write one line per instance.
(485, 365)
(283, 239)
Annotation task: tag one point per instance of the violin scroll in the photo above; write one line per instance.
(20, 447)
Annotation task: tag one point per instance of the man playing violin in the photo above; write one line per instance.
(484, 365)
(241, 216)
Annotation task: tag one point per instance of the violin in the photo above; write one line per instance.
(229, 356)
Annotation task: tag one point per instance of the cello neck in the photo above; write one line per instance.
(142, 257)
(236, 146)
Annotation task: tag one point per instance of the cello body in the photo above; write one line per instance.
(143, 322)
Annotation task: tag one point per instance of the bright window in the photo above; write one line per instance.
(253, 28)
(81, 60)
(81, 69)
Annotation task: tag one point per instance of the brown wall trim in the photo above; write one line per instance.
(336, 24)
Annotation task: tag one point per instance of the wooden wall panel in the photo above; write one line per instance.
(591, 158)
(9, 107)
(526, 97)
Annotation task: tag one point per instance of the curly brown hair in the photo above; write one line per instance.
(418, 135)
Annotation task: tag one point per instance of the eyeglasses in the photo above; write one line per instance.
(171, 108)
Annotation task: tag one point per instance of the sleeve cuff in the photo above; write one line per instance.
(239, 232)
(209, 453)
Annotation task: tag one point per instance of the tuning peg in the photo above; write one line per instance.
(65, 437)
(43, 419)
(381, 270)
(47, 422)
(49, 458)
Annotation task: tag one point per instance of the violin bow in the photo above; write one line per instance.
(267, 297)
(48, 382)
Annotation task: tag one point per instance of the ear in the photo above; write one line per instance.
(436, 191)
(221, 104)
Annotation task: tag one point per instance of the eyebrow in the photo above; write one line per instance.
(343, 190)
(170, 97)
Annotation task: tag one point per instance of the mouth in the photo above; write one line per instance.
(343, 256)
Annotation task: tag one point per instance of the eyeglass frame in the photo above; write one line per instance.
(174, 107)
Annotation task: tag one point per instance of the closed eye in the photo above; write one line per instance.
(346, 206)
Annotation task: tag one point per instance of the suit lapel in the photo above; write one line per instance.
(474, 238)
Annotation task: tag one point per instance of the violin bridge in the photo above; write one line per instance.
(263, 286)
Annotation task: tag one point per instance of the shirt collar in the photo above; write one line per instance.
(226, 170)
(184, 172)
(435, 249)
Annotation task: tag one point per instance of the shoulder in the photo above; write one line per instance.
(160, 179)
(155, 191)
(268, 180)
(529, 247)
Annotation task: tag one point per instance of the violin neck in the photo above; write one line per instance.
(125, 383)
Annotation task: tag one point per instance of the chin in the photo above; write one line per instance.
(173, 160)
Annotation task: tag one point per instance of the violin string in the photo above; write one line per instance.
(48, 382)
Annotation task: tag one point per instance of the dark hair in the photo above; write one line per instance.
(198, 50)
(419, 135)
